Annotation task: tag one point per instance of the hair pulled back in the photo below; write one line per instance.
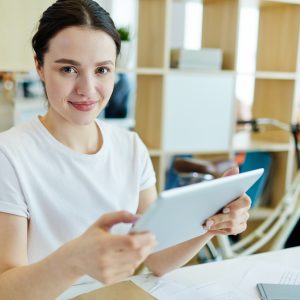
(67, 13)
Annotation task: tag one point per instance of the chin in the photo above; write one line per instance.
(84, 121)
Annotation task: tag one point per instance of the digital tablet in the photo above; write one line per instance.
(176, 216)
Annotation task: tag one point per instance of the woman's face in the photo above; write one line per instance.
(78, 73)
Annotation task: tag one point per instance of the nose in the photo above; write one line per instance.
(85, 86)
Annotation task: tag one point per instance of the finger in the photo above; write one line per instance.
(216, 219)
(232, 171)
(227, 220)
(132, 258)
(242, 202)
(115, 274)
(124, 256)
(110, 219)
(135, 241)
(227, 225)
(230, 230)
(123, 274)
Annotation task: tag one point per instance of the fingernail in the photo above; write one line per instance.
(226, 210)
(209, 223)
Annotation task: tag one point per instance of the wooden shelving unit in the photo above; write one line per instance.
(153, 73)
(277, 82)
(277, 77)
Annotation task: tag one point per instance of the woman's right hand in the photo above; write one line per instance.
(107, 257)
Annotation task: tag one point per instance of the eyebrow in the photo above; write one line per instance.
(76, 63)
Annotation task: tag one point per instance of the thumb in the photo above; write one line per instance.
(107, 221)
(231, 171)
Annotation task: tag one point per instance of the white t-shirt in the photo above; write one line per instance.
(63, 192)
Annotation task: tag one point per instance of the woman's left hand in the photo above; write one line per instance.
(234, 216)
(232, 220)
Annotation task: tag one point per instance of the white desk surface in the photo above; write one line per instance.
(208, 272)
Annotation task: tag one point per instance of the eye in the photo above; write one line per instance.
(102, 70)
(69, 70)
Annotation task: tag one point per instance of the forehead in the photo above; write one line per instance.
(82, 44)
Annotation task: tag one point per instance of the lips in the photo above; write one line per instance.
(84, 105)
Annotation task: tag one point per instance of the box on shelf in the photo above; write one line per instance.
(204, 59)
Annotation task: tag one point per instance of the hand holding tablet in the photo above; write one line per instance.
(177, 214)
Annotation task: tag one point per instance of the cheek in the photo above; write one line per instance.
(106, 88)
(56, 90)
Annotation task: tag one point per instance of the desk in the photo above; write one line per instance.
(208, 272)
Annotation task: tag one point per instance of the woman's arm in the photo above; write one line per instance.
(174, 257)
(97, 253)
(171, 258)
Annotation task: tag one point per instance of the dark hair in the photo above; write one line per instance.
(66, 13)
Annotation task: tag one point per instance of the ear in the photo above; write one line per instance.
(39, 68)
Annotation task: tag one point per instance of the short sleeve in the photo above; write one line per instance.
(147, 174)
(11, 196)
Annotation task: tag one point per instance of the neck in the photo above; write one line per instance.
(85, 139)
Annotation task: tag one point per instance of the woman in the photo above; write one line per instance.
(66, 179)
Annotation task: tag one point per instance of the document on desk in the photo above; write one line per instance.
(267, 273)
(163, 289)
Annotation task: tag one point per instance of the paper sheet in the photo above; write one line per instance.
(164, 289)
(243, 287)
(221, 290)
(264, 272)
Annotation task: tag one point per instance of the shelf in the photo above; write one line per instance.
(258, 74)
(271, 75)
(276, 75)
(162, 71)
(259, 3)
(150, 71)
(125, 70)
(155, 152)
(243, 141)
(142, 71)
(281, 1)
(255, 3)
(200, 71)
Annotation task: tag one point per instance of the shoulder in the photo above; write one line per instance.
(17, 136)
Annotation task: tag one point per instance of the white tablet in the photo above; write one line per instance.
(177, 214)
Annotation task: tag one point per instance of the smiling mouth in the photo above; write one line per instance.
(84, 106)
